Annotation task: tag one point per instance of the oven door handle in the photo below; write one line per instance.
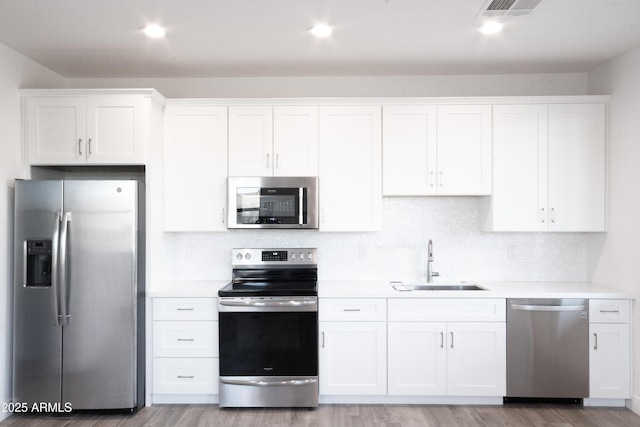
(292, 303)
(268, 383)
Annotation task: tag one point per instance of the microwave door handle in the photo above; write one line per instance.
(301, 205)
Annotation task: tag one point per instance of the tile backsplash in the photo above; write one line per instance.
(399, 250)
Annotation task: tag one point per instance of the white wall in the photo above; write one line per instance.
(16, 72)
(366, 86)
(619, 263)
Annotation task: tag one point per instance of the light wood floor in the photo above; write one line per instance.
(546, 415)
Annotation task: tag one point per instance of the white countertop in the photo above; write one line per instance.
(377, 289)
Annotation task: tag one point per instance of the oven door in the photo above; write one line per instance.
(268, 351)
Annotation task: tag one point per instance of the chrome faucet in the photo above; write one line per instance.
(430, 274)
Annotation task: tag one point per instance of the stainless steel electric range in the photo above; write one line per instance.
(269, 329)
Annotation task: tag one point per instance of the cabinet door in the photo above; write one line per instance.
(609, 361)
(520, 137)
(417, 358)
(476, 359)
(464, 150)
(295, 141)
(353, 358)
(409, 150)
(195, 168)
(116, 129)
(55, 130)
(250, 141)
(577, 175)
(350, 168)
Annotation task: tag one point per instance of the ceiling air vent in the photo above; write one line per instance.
(508, 7)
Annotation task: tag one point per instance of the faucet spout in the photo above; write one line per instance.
(430, 274)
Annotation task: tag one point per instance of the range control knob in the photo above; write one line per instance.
(247, 255)
(309, 256)
(239, 255)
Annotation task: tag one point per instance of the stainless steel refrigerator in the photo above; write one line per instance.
(78, 315)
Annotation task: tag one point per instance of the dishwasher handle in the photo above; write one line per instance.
(529, 307)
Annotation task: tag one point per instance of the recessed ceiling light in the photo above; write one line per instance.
(321, 30)
(154, 31)
(491, 28)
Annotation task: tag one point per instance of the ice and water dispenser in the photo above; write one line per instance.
(38, 263)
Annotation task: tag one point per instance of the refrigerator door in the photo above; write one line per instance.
(37, 337)
(99, 366)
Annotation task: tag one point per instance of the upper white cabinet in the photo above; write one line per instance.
(89, 129)
(195, 168)
(548, 169)
(350, 168)
(273, 141)
(437, 150)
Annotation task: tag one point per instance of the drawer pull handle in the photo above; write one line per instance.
(186, 377)
(610, 311)
(351, 309)
(186, 339)
(185, 309)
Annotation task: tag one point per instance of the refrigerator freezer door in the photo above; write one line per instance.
(37, 339)
(99, 366)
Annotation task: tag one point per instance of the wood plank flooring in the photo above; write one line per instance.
(547, 415)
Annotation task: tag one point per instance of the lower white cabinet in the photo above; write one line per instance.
(448, 357)
(185, 346)
(609, 349)
(353, 347)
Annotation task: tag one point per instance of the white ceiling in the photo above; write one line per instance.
(221, 38)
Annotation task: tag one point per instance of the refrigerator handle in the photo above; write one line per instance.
(64, 316)
(54, 269)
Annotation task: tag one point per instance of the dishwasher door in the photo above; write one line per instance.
(548, 348)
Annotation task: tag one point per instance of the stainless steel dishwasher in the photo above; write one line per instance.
(547, 348)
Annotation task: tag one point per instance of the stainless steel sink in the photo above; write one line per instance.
(399, 286)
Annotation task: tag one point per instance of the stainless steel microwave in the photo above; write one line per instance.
(272, 202)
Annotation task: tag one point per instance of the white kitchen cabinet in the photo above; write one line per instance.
(350, 168)
(353, 346)
(447, 356)
(185, 349)
(609, 349)
(353, 358)
(273, 141)
(90, 129)
(548, 168)
(195, 167)
(436, 150)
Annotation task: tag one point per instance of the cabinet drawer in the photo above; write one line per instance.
(185, 339)
(185, 376)
(185, 309)
(447, 309)
(353, 309)
(609, 310)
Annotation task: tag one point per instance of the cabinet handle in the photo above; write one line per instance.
(267, 161)
(351, 309)
(322, 339)
(186, 339)
(441, 178)
(277, 160)
(188, 377)
(451, 339)
(185, 309)
(595, 341)
(89, 146)
(80, 146)
(441, 339)
(431, 179)
(613, 310)
(553, 215)
(542, 215)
